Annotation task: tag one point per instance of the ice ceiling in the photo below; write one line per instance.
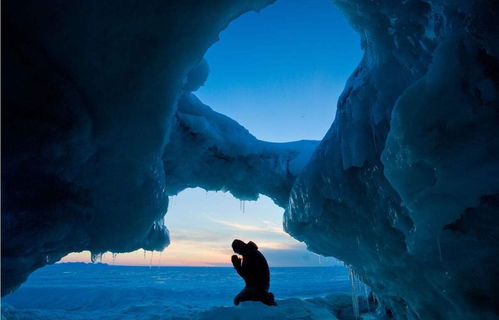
(99, 126)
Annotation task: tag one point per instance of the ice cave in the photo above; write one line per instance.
(100, 125)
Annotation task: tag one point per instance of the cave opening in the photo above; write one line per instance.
(279, 73)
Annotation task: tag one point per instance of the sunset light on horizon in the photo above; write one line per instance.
(219, 219)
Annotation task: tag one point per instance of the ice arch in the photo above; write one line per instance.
(402, 187)
(209, 150)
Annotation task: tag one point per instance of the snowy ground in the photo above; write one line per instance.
(80, 291)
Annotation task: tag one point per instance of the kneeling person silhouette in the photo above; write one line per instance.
(255, 272)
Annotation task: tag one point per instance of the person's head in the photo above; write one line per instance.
(238, 246)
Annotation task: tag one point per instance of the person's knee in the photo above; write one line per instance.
(241, 296)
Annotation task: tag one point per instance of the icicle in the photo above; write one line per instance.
(242, 206)
(150, 261)
(95, 257)
(355, 300)
(171, 201)
(114, 257)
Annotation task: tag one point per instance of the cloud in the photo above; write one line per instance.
(297, 258)
(268, 227)
(275, 245)
(197, 235)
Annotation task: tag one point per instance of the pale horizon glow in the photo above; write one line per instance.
(202, 226)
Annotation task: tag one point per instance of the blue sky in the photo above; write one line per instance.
(279, 73)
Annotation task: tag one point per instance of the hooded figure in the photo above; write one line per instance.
(255, 272)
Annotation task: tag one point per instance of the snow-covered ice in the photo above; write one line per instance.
(75, 291)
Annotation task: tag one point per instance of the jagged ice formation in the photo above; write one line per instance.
(89, 96)
(99, 126)
(405, 185)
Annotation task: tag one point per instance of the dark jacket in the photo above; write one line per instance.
(254, 268)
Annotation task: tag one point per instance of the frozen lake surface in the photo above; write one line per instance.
(99, 291)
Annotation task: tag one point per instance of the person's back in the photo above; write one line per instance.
(255, 268)
(255, 272)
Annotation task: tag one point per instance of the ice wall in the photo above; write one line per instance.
(89, 94)
(404, 187)
(99, 125)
